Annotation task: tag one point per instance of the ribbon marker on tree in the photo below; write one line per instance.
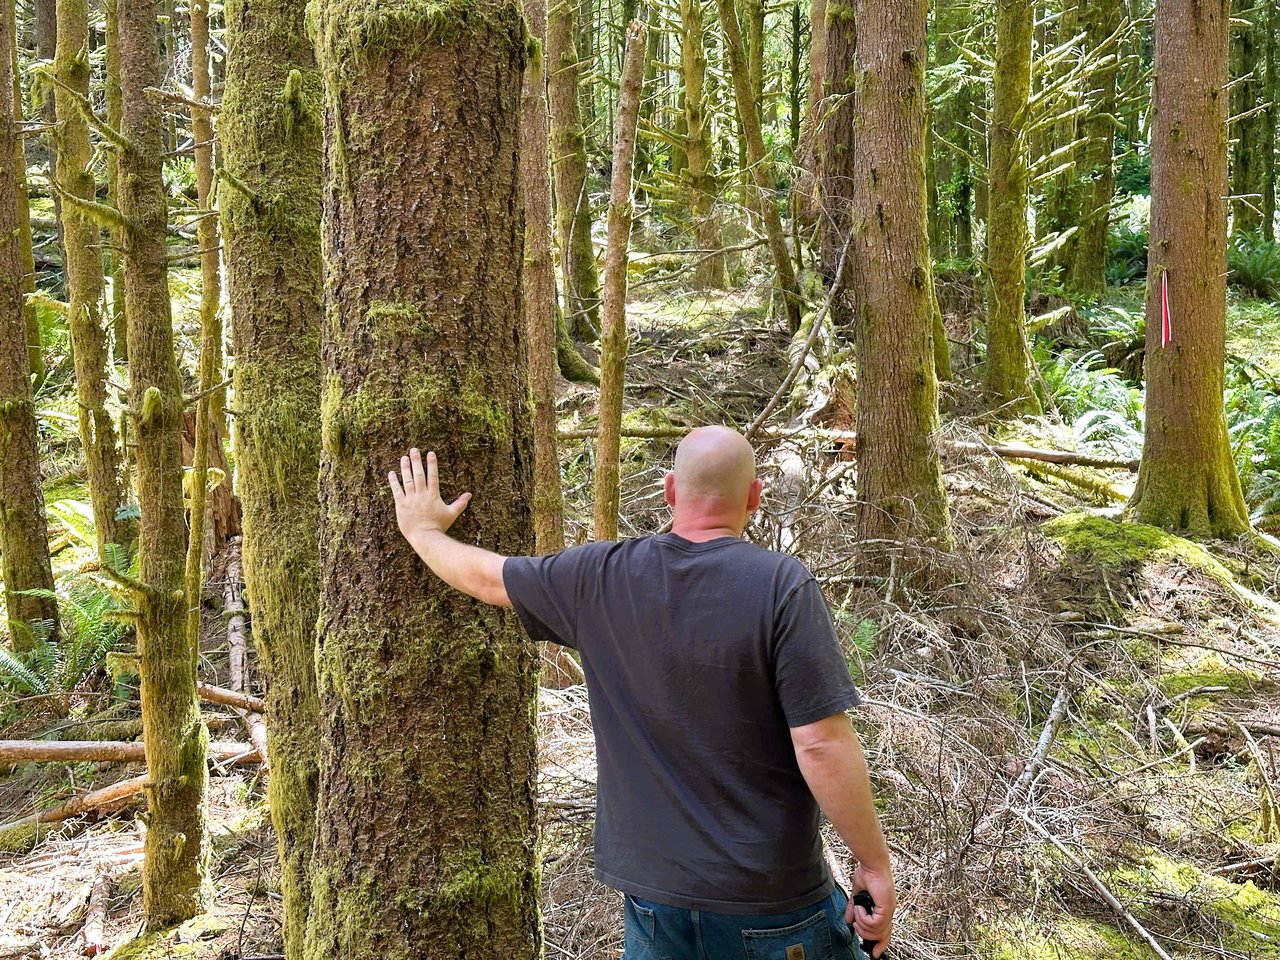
(1166, 325)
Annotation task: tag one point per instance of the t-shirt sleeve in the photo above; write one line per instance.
(544, 591)
(811, 675)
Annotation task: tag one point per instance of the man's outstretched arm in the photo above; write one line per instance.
(425, 518)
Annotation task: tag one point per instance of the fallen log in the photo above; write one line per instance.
(231, 698)
(93, 942)
(104, 751)
(106, 800)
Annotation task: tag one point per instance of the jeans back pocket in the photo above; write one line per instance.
(808, 940)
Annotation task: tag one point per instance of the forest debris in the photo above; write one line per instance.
(92, 939)
(231, 698)
(104, 751)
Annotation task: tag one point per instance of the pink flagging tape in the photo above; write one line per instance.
(1166, 325)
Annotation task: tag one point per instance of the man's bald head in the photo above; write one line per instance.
(715, 462)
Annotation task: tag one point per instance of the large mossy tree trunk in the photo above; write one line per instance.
(1007, 375)
(1187, 480)
(900, 492)
(1094, 162)
(271, 132)
(569, 170)
(24, 543)
(425, 841)
(761, 162)
(700, 171)
(175, 874)
(102, 454)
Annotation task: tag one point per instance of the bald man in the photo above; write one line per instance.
(718, 694)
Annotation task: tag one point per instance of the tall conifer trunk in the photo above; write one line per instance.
(83, 236)
(175, 875)
(701, 174)
(425, 828)
(24, 545)
(1008, 383)
(1187, 480)
(900, 491)
(836, 148)
(270, 129)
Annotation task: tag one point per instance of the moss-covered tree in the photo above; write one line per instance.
(1007, 375)
(569, 170)
(111, 94)
(1094, 160)
(270, 129)
(900, 492)
(207, 226)
(175, 874)
(836, 147)
(1251, 140)
(24, 545)
(83, 236)
(425, 827)
(700, 171)
(1187, 480)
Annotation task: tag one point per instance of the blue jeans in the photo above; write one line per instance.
(655, 931)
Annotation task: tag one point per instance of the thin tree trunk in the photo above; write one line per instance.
(1187, 480)
(83, 236)
(761, 163)
(425, 842)
(700, 162)
(27, 258)
(270, 130)
(1248, 73)
(1271, 91)
(613, 335)
(1007, 382)
(837, 144)
(175, 875)
(119, 323)
(569, 167)
(207, 228)
(24, 544)
(900, 491)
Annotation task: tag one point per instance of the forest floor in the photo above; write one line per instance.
(1072, 734)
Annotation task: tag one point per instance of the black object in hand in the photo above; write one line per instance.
(863, 899)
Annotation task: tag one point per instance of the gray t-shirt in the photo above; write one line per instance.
(698, 658)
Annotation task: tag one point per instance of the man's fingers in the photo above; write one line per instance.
(406, 475)
(433, 475)
(396, 490)
(460, 504)
(419, 477)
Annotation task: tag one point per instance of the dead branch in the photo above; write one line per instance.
(234, 601)
(103, 751)
(92, 940)
(231, 698)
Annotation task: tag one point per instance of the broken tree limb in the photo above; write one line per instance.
(93, 942)
(231, 698)
(1010, 451)
(233, 599)
(103, 751)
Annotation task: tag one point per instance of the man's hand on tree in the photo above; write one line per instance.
(419, 508)
(876, 925)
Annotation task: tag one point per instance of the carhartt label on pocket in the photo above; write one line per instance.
(795, 951)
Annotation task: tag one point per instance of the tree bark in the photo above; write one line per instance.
(761, 163)
(1187, 480)
(83, 237)
(111, 84)
(700, 162)
(1249, 144)
(27, 258)
(569, 168)
(613, 335)
(175, 874)
(836, 148)
(1007, 378)
(24, 543)
(1088, 271)
(270, 129)
(425, 830)
(900, 491)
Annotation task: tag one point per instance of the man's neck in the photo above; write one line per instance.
(699, 531)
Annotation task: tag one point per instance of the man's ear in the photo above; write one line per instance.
(669, 489)
(753, 495)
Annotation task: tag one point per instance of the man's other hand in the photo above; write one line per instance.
(419, 508)
(878, 924)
